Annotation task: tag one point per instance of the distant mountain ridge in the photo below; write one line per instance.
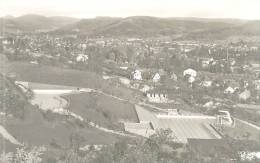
(34, 23)
(135, 26)
(152, 26)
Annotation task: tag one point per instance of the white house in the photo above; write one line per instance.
(190, 72)
(254, 48)
(34, 62)
(257, 84)
(206, 83)
(83, 46)
(229, 90)
(191, 79)
(174, 77)
(123, 67)
(156, 77)
(245, 95)
(205, 62)
(157, 97)
(137, 75)
(124, 81)
(145, 88)
(232, 62)
(82, 58)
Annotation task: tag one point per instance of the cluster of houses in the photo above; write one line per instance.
(137, 75)
(212, 57)
(215, 58)
(243, 91)
(201, 59)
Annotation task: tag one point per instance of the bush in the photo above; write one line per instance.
(23, 155)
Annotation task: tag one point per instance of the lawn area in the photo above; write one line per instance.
(50, 86)
(103, 110)
(253, 116)
(242, 131)
(234, 76)
(3, 63)
(54, 75)
(35, 129)
(67, 77)
(6, 146)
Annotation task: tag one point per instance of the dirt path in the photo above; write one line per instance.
(6, 135)
(248, 123)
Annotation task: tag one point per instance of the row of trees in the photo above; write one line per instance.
(159, 148)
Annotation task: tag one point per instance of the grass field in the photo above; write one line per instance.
(46, 128)
(67, 77)
(236, 77)
(40, 86)
(5, 145)
(253, 116)
(34, 129)
(105, 111)
(54, 75)
(3, 63)
(242, 131)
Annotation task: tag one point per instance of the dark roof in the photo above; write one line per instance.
(219, 148)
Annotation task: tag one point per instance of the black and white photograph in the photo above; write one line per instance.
(129, 81)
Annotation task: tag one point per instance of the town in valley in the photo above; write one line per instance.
(134, 89)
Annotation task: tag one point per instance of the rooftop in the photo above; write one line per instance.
(183, 127)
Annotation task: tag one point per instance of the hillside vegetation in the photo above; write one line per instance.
(142, 26)
(33, 23)
(135, 26)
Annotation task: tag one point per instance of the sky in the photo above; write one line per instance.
(242, 9)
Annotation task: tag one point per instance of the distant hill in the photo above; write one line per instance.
(135, 26)
(142, 26)
(34, 23)
(190, 28)
(252, 27)
(88, 26)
